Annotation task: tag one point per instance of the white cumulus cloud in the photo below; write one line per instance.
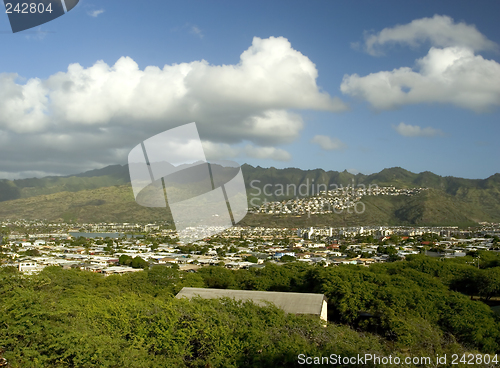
(451, 72)
(440, 31)
(272, 153)
(450, 75)
(328, 144)
(407, 130)
(219, 151)
(96, 114)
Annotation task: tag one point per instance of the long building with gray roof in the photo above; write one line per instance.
(296, 303)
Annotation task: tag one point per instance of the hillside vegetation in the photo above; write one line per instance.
(71, 318)
(106, 195)
(105, 204)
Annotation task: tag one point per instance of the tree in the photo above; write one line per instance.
(252, 259)
(351, 254)
(125, 260)
(138, 262)
(218, 277)
(287, 258)
(4, 235)
(395, 239)
(109, 249)
(32, 252)
(487, 282)
(394, 257)
(387, 250)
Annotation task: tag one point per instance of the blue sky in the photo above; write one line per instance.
(336, 85)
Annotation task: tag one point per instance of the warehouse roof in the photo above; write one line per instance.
(297, 303)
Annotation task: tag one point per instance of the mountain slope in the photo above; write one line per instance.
(25, 188)
(428, 208)
(119, 175)
(106, 204)
(105, 195)
(116, 204)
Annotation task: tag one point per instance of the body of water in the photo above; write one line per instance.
(103, 235)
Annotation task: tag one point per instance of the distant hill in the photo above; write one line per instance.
(105, 204)
(429, 208)
(25, 188)
(105, 195)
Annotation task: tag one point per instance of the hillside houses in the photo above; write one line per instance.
(331, 201)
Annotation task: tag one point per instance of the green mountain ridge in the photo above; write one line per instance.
(432, 207)
(105, 195)
(105, 204)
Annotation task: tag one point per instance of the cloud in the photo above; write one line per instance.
(272, 153)
(87, 117)
(440, 31)
(407, 130)
(450, 75)
(197, 32)
(219, 151)
(451, 72)
(328, 144)
(95, 13)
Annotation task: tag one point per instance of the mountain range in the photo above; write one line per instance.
(105, 195)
